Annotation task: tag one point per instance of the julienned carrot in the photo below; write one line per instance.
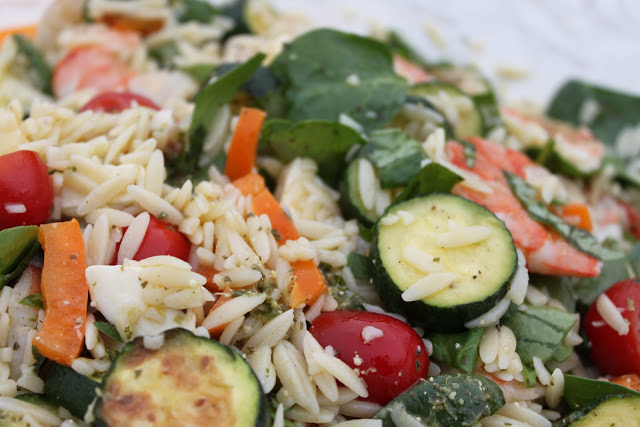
(208, 273)
(26, 30)
(244, 143)
(308, 281)
(217, 330)
(575, 214)
(250, 184)
(64, 292)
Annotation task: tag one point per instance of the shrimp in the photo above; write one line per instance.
(545, 250)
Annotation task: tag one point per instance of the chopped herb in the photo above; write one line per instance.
(109, 330)
(33, 300)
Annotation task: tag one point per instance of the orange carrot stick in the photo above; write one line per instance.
(308, 281)
(575, 214)
(28, 31)
(64, 292)
(244, 143)
(631, 381)
(250, 184)
(217, 330)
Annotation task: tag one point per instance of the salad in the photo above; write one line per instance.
(226, 216)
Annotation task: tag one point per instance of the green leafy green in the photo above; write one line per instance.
(469, 150)
(327, 73)
(323, 141)
(36, 62)
(458, 350)
(433, 178)
(207, 104)
(487, 104)
(579, 238)
(395, 155)
(361, 266)
(539, 331)
(262, 82)
(17, 246)
(109, 330)
(580, 391)
(194, 10)
(444, 400)
(164, 53)
(33, 300)
(201, 73)
(529, 375)
(587, 289)
(365, 232)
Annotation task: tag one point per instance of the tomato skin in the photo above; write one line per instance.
(24, 178)
(114, 102)
(391, 364)
(160, 239)
(617, 354)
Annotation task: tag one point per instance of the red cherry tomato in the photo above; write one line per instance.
(616, 354)
(24, 185)
(389, 365)
(633, 219)
(114, 102)
(160, 239)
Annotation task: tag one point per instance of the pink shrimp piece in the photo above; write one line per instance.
(89, 68)
(546, 251)
(410, 71)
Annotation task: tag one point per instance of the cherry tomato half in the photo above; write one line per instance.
(160, 239)
(616, 354)
(114, 102)
(26, 192)
(389, 364)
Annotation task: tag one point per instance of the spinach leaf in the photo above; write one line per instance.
(366, 233)
(164, 53)
(579, 391)
(17, 246)
(444, 400)
(433, 178)
(539, 330)
(587, 289)
(109, 330)
(323, 141)
(207, 103)
(33, 300)
(395, 155)
(201, 73)
(529, 375)
(194, 10)
(577, 237)
(327, 73)
(360, 265)
(458, 350)
(262, 82)
(36, 62)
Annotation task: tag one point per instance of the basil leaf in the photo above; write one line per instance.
(201, 73)
(395, 155)
(458, 350)
(17, 246)
(207, 103)
(33, 300)
(109, 330)
(529, 375)
(360, 265)
(539, 330)
(194, 10)
(613, 270)
(577, 237)
(579, 391)
(323, 141)
(433, 178)
(318, 70)
(36, 62)
(164, 53)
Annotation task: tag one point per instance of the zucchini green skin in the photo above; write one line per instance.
(434, 318)
(555, 162)
(65, 387)
(470, 125)
(350, 203)
(190, 380)
(431, 403)
(618, 410)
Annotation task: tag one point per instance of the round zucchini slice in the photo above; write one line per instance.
(189, 380)
(442, 237)
(616, 410)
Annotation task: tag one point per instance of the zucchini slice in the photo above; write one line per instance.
(419, 244)
(458, 107)
(615, 410)
(189, 380)
(67, 388)
(351, 202)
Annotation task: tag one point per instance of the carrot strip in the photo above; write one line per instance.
(208, 273)
(64, 292)
(308, 281)
(244, 143)
(216, 331)
(631, 381)
(281, 225)
(575, 214)
(250, 184)
(28, 31)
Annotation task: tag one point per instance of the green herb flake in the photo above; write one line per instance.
(33, 300)
(109, 330)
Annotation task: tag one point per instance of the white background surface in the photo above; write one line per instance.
(597, 40)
